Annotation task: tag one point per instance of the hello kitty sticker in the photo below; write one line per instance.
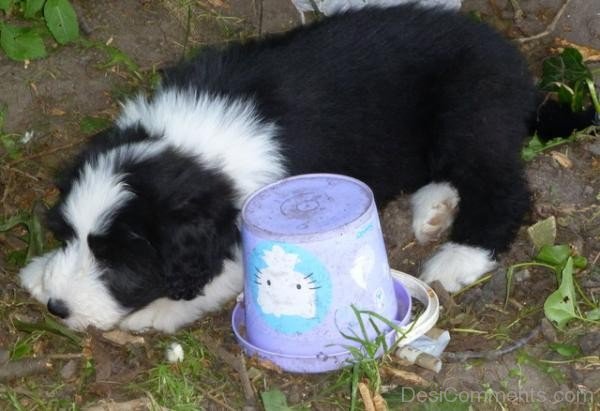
(290, 287)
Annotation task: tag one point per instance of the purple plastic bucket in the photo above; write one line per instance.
(313, 248)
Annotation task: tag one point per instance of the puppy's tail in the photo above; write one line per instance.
(553, 119)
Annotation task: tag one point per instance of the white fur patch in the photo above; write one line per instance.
(99, 191)
(71, 275)
(224, 133)
(169, 315)
(434, 208)
(457, 265)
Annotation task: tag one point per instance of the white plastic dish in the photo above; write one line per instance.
(417, 289)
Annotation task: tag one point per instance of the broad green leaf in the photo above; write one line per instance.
(593, 315)
(6, 5)
(554, 254)
(566, 350)
(566, 68)
(274, 400)
(32, 7)
(61, 20)
(559, 307)
(566, 75)
(21, 43)
(532, 149)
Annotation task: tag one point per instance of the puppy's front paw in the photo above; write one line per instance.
(456, 266)
(32, 276)
(163, 315)
(434, 207)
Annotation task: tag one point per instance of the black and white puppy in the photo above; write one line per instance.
(408, 100)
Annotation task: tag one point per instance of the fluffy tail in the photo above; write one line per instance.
(553, 119)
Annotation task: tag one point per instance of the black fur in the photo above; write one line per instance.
(172, 237)
(396, 97)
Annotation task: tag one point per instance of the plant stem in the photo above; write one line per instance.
(511, 269)
(592, 89)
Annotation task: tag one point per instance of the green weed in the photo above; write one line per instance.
(44, 18)
(562, 305)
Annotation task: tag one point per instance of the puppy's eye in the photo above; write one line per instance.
(268, 282)
(298, 286)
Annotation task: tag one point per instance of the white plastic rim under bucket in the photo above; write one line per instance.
(323, 363)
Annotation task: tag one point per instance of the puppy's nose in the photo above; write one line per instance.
(58, 308)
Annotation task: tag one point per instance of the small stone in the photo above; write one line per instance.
(522, 275)
(69, 370)
(174, 353)
(590, 343)
(4, 356)
(594, 148)
(548, 331)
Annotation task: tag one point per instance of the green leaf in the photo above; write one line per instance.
(48, 325)
(6, 5)
(3, 112)
(566, 350)
(566, 68)
(593, 315)
(10, 145)
(274, 400)
(61, 20)
(21, 43)
(91, 125)
(32, 7)
(566, 75)
(554, 254)
(559, 307)
(580, 261)
(36, 237)
(532, 149)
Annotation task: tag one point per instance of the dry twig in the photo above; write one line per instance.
(238, 363)
(551, 27)
(491, 355)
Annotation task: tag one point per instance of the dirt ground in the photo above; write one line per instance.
(59, 101)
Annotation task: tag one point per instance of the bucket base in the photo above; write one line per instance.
(321, 362)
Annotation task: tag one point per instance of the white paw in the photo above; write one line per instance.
(32, 276)
(456, 266)
(434, 207)
(162, 315)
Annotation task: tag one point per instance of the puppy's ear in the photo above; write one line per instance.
(198, 236)
(193, 253)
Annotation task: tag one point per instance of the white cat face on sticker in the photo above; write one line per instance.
(281, 289)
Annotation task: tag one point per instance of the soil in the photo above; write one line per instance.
(56, 99)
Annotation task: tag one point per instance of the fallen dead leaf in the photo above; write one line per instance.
(57, 112)
(588, 53)
(121, 337)
(561, 159)
(365, 394)
(406, 377)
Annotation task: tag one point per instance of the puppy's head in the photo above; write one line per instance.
(138, 221)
